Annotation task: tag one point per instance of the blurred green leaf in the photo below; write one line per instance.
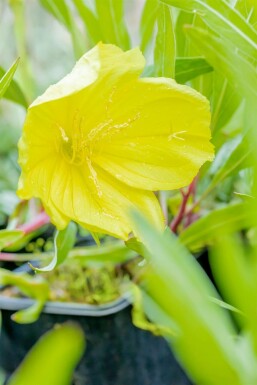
(63, 242)
(34, 287)
(227, 260)
(225, 101)
(205, 342)
(9, 236)
(139, 319)
(90, 21)
(182, 44)
(191, 67)
(238, 159)
(53, 359)
(6, 78)
(60, 10)
(222, 18)
(219, 222)
(186, 69)
(148, 21)
(14, 92)
(165, 44)
(226, 60)
(112, 24)
(248, 9)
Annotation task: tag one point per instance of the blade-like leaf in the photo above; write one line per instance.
(248, 8)
(60, 10)
(7, 78)
(14, 92)
(165, 44)
(226, 60)
(90, 21)
(224, 20)
(112, 24)
(237, 160)
(190, 67)
(53, 359)
(204, 343)
(219, 222)
(148, 21)
(63, 242)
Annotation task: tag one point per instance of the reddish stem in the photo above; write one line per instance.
(40, 220)
(182, 210)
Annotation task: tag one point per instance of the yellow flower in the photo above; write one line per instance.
(102, 140)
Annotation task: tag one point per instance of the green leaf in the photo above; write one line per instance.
(205, 343)
(238, 159)
(182, 44)
(223, 19)
(191, 67)
(7, 78)
(53, 359)
(147, 23)
(14, 92)
(34, 287)
(140, 321)
(226, 60)
(225, 102)
(8, 237)
(248, 9)
(227, 259)
(165, 44)
(91, 22)
(63, 242)
(219, 222)
(62, 13)
(114, 30)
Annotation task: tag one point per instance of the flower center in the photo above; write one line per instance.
(74, 147)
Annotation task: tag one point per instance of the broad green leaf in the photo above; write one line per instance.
(90, 21)
(63, 242)
(53, 359)
(60, 10)
(226, 60)
(14, 92)
(205, 343)
(8, 237)
(219, 222)
(191, 67)
(147, 23)
(34, 287)
(224, 20)
(7, 78)
(165, 44)
(112, 24)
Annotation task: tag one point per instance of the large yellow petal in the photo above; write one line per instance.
(89, 196)
(159, 136)
(103, 61)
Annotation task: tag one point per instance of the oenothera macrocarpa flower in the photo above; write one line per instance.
(102, 139)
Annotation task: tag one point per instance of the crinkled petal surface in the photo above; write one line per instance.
(102, 139)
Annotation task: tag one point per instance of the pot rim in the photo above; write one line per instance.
(68, 308)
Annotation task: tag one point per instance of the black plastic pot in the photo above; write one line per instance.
(117, 352)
